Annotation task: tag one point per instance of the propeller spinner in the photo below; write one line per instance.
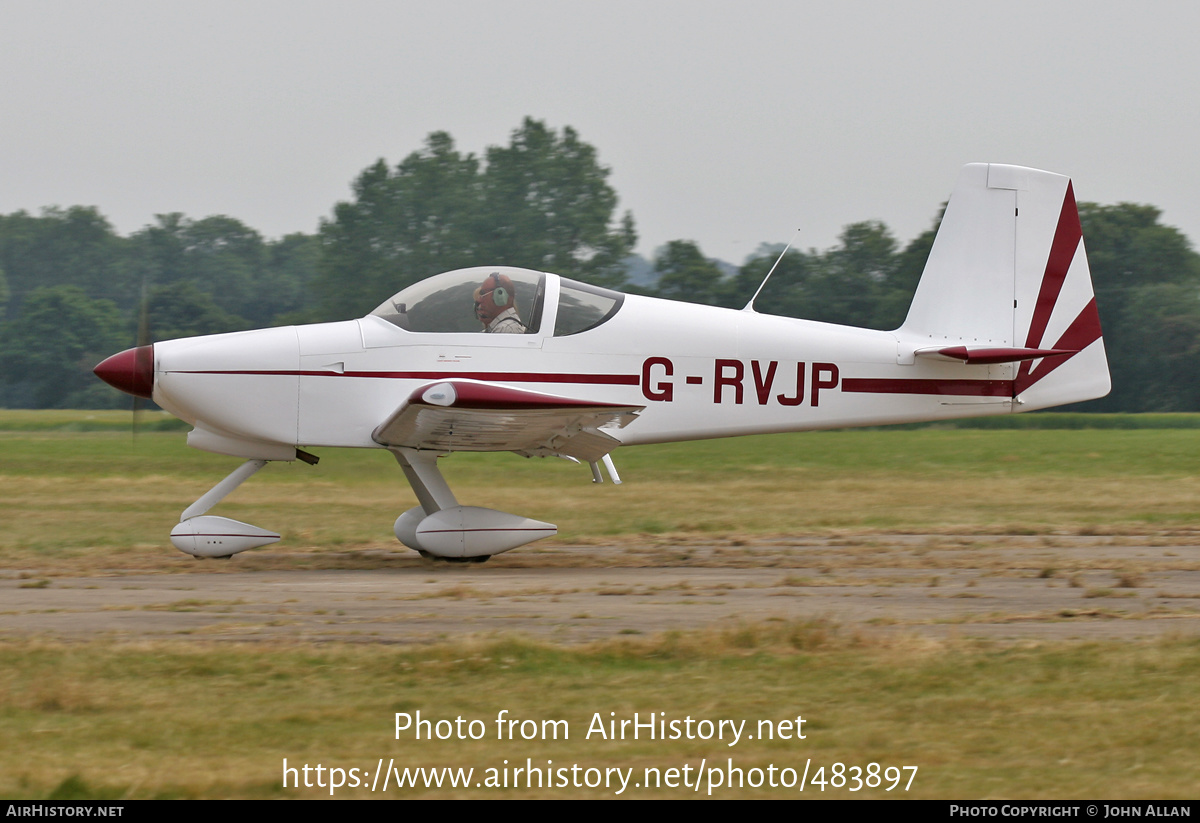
(131, 371)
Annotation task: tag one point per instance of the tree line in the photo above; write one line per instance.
(73, 291)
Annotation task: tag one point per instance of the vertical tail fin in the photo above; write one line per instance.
(1007, 279)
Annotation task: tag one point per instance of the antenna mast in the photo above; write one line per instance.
(750, 305)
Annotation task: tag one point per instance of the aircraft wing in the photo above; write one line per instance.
(470, 415)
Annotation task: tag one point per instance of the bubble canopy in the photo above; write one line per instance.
(445, 303)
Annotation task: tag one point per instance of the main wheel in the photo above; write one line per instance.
(479, 558)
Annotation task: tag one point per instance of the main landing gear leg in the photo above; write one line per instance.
(440, 527)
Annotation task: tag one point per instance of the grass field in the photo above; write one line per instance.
(64, 493)
(1095, 721)
(194, 718)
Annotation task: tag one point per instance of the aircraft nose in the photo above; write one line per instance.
(131, 371)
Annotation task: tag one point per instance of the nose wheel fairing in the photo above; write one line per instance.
(203, 535)
(212, 536)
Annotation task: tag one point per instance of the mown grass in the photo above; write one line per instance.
(193, 719)
(172, 720)
(69, 420)
(65, 493)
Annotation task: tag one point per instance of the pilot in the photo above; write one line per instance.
(495, 306)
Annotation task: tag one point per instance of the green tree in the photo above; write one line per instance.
(848, 280)
(846, 284)
(62, 247)
(219, 255)
(1160, 325)
(183, 310)
(542, 202)
(401, 227)
(54, 343)
(226, 259)
(684, 273)
(1127, 247)
(900, 284)
(285, 292)
(1146, 277)
(547, 205)
(785, 293)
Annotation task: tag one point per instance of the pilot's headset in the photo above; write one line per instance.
(493, 297)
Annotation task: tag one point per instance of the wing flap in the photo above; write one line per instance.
(468, 415)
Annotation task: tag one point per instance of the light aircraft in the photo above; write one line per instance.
(1004, 320)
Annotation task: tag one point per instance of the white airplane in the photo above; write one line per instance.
(1004, 320)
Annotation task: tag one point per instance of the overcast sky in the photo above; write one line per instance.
(728, 123)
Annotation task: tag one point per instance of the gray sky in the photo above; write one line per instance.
(729, 123)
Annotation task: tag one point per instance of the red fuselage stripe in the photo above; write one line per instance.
(969, 388)
(214, 534)
(464, 531)
(510, 377)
